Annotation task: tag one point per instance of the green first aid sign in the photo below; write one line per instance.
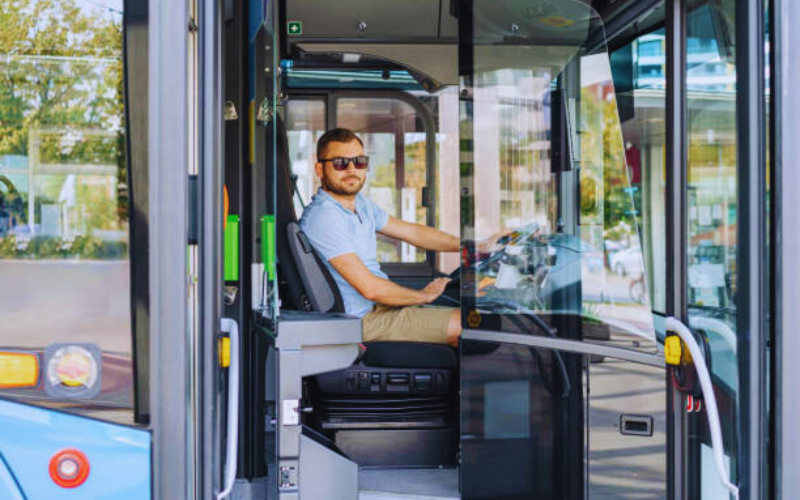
(295, 28)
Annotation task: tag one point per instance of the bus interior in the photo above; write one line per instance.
(551, 122)
(511, 119)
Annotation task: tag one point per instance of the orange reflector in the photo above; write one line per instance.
(69, 468)
(18, 369)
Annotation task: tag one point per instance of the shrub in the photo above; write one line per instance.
(47, 247)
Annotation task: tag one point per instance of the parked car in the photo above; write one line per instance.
(627, 262)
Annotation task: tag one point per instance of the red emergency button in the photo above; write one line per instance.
(69, 468)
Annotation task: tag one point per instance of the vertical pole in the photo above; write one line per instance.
(786, 243)
(751, 239)
(449, 214)
(210, 175)
(676, 230)
(170, 397)
(136, 66)
(400, 172)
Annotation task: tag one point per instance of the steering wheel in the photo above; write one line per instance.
(455, 275)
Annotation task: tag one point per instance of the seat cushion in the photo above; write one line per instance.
(409, 355)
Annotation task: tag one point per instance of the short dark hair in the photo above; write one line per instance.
(336, 135)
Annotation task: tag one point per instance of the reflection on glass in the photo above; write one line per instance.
(639, 70)
(712, 206)
(63, 188)
(536, 85)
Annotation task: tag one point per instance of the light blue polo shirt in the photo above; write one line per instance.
(333, 230)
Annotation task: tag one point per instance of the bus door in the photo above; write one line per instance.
(562, 380)
(69, 255)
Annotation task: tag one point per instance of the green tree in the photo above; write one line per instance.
(603, 158)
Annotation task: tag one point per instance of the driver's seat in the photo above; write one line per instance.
(395, 406)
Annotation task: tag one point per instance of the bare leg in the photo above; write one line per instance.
(454, 328)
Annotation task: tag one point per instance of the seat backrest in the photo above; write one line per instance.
(308, 281)
(320, 294)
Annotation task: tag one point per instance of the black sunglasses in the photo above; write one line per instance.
(342, 162)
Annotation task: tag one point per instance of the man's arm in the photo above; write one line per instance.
(381, 290)
(421, 236)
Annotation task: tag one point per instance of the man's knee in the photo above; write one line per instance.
(454, 328)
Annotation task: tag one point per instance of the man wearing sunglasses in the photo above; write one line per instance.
(342, 225)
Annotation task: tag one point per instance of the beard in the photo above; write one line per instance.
(341, 187)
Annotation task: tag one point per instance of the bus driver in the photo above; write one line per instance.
(342, 225)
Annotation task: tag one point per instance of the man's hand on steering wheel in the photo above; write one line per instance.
(492, 243)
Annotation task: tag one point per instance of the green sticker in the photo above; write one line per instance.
(231, 260)
(268, 244)
(295, 28)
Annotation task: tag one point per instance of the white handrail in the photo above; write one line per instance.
(230, 327)
(712, 412)
(719, 327)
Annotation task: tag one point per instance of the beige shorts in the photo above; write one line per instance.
(407, 324)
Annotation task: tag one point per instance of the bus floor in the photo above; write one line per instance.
(408, 484)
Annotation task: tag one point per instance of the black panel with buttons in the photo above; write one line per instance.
(375, 382)
(378, 380)
(422, 382)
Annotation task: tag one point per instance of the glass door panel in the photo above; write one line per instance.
(640, 82)
(547, 213)
(545, 166)
(711, 225)
(64, 205)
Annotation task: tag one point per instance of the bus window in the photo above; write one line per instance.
(64, 204)
(395, 140)
(305, 123)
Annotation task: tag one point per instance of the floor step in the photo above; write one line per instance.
(408, 484)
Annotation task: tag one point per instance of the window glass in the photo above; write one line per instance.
(615, 288)
(64, 203)
(395, 140)
(712, 209)
(639, 70)
(543, 156)
(305, 124)
(444, 106)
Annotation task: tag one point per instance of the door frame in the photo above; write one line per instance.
(170, 354)
(184, 370)
(785, 238)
